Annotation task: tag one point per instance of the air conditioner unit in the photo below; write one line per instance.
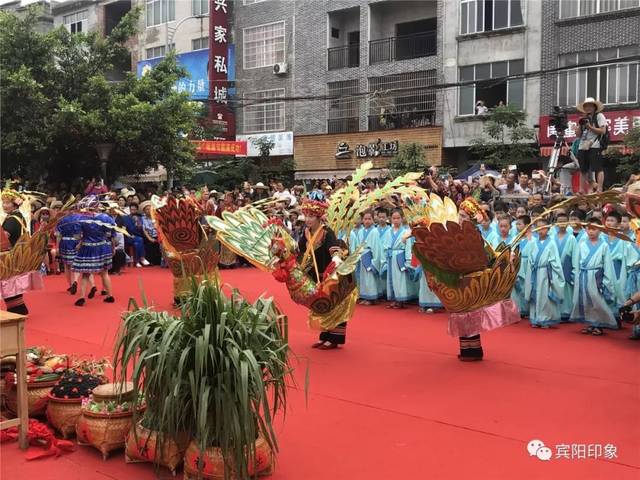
(280, 68)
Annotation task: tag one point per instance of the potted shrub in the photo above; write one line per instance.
(217, 373)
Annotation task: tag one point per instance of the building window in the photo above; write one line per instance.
(612, 82)
(155, 52)
(343, 107)
(489, 87)
(199, 7)
(406, 100)
(160, 11)
(487, 15)
(76, 22)
(263, 112)
(579, 8)
(263, 45)
(200, 43)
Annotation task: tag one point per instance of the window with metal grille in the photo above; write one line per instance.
(76, 22)
(343, 107)
(612, 83)
(199, 7)
(403, 100)
(263, 45)
(579, 8)
(200, 43)
(160, 11)
(263, 112)
(491, 88)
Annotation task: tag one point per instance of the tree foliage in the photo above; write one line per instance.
(410, 158)
(628, 164)
(507, 138)
(57, 104)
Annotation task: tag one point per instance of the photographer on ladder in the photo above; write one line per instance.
(591, 130)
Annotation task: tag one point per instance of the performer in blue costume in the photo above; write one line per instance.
(544, 282)
(382, 219)
(566, 243)
(95, 252)
(594, 284)
(68, 231)
(397, 262)
(369, 265)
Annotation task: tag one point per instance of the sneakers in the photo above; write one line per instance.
(138, 265)
(145, 262)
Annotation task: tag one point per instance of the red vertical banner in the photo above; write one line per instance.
(219, 111)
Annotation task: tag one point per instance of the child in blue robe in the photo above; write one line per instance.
(397, 262)
(576, 217)
(633, 287)
(594, 284)
(369, 264)
(544, 282)
(382, 219)
(625, 226)
(566, 243)
(502, 235)
(486, 227)
(623, 256)
(427, 300)
(517, 293)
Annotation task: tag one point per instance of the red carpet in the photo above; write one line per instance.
(395, 403)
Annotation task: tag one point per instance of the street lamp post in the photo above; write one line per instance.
(104, 150)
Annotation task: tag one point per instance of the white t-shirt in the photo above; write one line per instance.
(516, 188)
(589, 135)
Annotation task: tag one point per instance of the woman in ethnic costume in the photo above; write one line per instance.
(325, 245)
(95, 252)
(228, 259)
(13, 228)
(68, 231)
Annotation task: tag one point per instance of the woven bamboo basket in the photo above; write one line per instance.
(37, 397)
(63, 414)
(114, 391)
(106, 432)
(142, 446)
(214, 465)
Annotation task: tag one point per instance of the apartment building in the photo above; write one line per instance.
(597, 46)
(486, 41)
(45, 19)
(353, 77)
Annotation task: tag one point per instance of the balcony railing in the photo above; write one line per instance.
(344, 57)
(389, 121)
(343, 125)
(403, 48)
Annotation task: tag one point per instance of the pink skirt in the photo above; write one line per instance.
(20, 284)
(498, 315)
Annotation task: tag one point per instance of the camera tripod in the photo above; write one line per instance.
(555, 156)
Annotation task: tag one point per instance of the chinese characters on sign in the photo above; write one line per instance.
(221, 147)
(619, 122)
(370, 150)
(219, 66)
(197, 82)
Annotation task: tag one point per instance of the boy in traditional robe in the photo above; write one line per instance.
(517, 294)
(566, 243)
(397, 262)
(369, 264)
(623, 255)
(382, 220)
(544, 282)
(576, 217)
(594, 284)
(502, 235)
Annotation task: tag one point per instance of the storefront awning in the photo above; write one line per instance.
(328, 174)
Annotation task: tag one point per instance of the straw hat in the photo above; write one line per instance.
(144, 205)
(259, 185)
(599, 105)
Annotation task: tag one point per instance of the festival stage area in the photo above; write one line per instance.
(395, 403)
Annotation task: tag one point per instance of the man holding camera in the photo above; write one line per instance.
(590, 130)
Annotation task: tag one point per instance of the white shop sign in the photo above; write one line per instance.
(283, 143)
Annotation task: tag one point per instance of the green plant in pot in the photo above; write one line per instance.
(217, 373)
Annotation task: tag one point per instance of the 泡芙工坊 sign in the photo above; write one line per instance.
(196, 62)
(619, 122)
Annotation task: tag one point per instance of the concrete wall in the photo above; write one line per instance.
(92, 23)
(157, 35)
(385, 16)
(579, 34)
(346, 21)
(518, 43)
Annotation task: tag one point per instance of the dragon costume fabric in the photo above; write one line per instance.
(188, 249)
(330, 295)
